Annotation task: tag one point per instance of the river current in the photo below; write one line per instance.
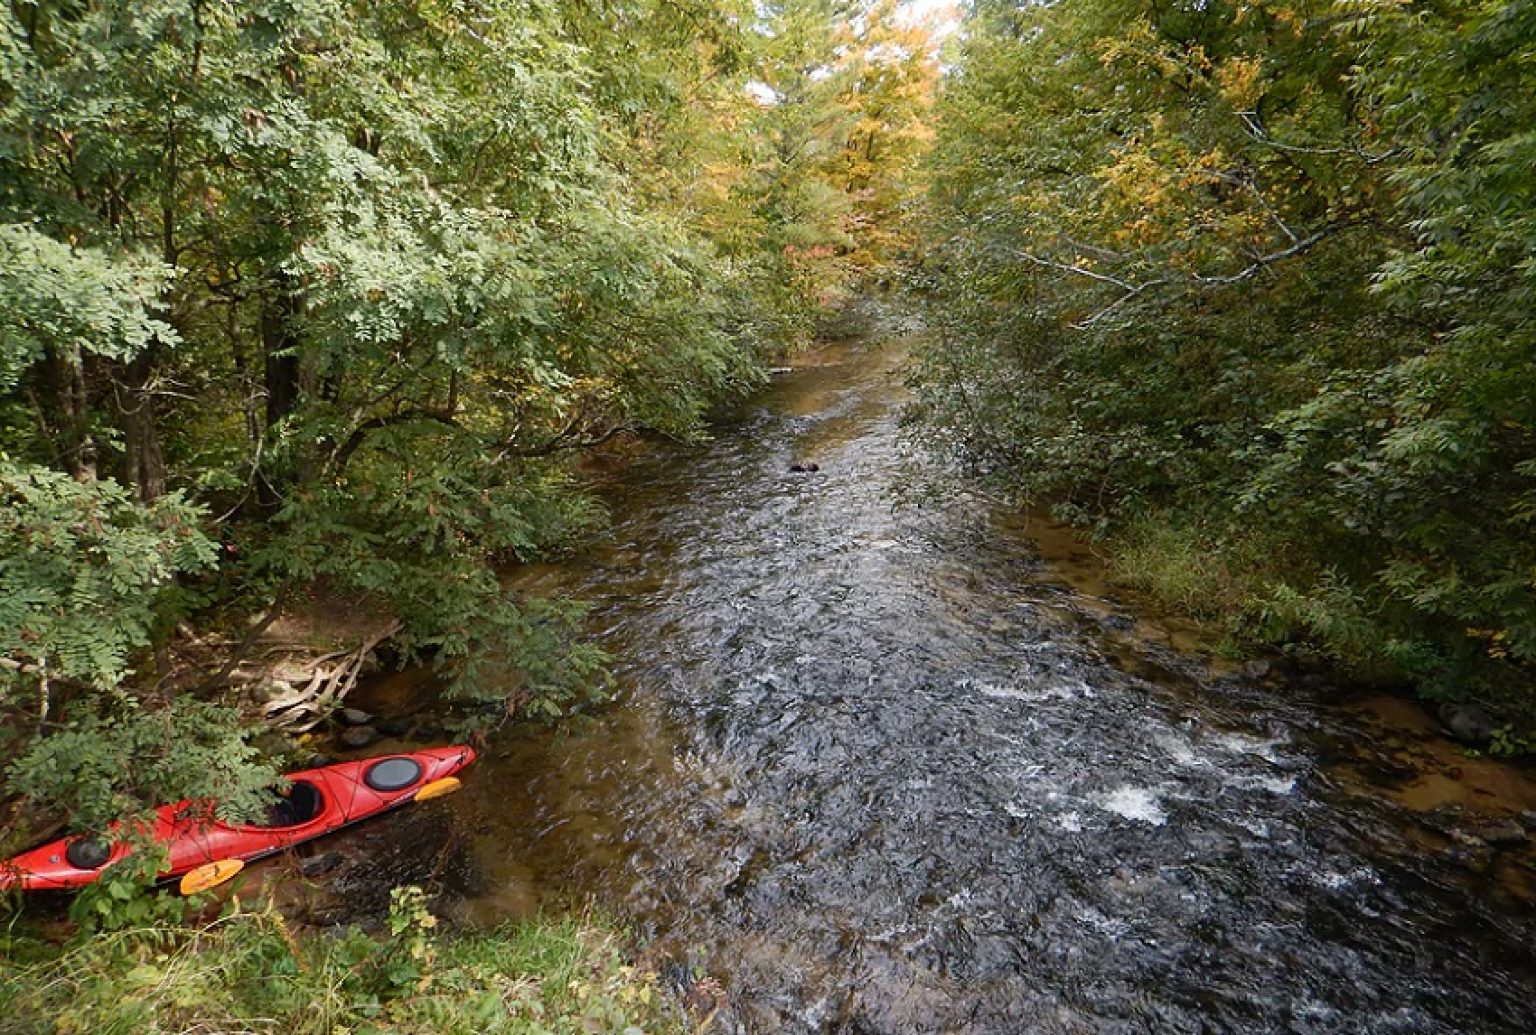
(875, 767)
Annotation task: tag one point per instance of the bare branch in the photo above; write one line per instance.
(1064, 267)
(1247, 183)
(1130, 290)
(1097, 249)
(1257, 131)
(1084, 324)
(1264, 261)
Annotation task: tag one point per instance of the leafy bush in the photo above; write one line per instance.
(354, 282)
(88, 578)
(87, 575)
(104, 768)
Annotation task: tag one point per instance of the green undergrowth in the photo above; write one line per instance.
(248, 971)
(1253, 593)
(1180, 568)
(1250, 591)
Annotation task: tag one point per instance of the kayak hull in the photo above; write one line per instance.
(347, 792)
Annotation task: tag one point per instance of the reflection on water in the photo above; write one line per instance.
(878, 768)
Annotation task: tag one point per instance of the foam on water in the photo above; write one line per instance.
(1137, 803)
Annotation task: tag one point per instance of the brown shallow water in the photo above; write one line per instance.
(880, 766)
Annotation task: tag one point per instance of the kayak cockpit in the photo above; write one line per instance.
(302, 803)
(88, 853)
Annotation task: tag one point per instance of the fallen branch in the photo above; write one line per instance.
(302, 710)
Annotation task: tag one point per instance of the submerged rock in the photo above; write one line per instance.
(1467, 723)
(1504, 835)
(1470, 856)
(1256, 668)
(1119, 622)
(393, 727)
(354, 717)
(319, 865)
(805, 468)
(1468, 838)
(358, 736)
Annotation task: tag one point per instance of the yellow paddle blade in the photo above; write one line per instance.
(210, 875)
(438, 788)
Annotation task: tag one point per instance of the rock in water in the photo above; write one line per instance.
(1256, 668)
(355, 717)
(1508, 834)
(316, 865)
(393, 727)
(358, 736)
(1468, 723)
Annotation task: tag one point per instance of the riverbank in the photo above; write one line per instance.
(905, 767)
(250, 971)
(1379, 744)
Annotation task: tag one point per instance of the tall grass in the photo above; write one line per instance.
(248, 972)
(1207, 578)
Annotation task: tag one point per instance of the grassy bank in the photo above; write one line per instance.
(249, 972)
(1254, 593)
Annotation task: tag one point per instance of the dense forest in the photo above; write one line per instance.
(312, 311)
(322, 299)
(1247, 287)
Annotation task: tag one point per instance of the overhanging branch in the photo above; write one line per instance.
(359, 435)
(1130, 290)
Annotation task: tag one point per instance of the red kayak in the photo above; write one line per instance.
(317, 802)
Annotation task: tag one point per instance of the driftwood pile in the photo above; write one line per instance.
(294, 685)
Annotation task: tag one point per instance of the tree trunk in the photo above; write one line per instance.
(280, 349)
(62, 380)
(143, 461)
(281, 371)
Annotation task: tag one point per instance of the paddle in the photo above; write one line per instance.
(209, 875)
(438, 788)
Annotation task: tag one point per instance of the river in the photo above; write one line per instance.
(877, 764)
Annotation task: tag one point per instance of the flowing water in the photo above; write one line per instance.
(875, 767)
